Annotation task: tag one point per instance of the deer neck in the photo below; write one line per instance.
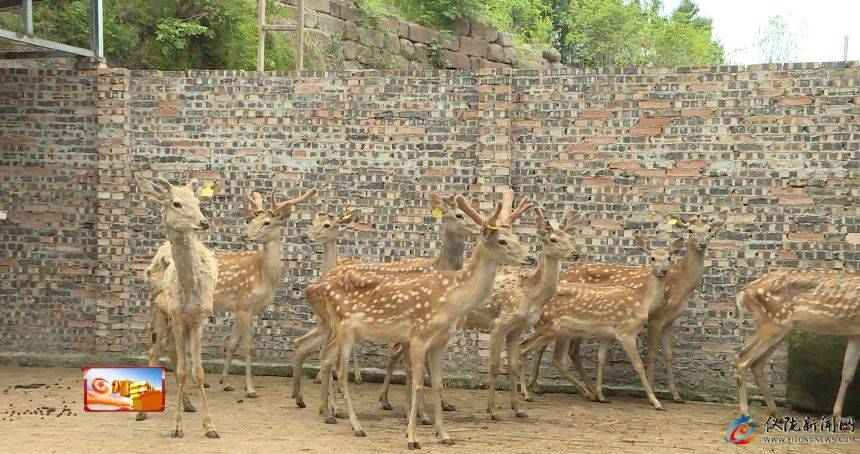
(653, 290)
(472, 286)
(451, 252)
(329, 258)
(186, 264)
(271, 264)
(689, 270)
(544, 281)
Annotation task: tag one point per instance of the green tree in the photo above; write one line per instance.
(777, 42)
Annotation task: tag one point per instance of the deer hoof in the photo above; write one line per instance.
(176, 433)
(340, 415)
(387, 406)
(205, 385)
(317, 381)
(413, 445)
(252, 394)
(188, 408)
(602, 400)
(447, 441)
(359, 433)
(495, 417)
(679, 400)
(529, 398)
(521, 414)
(228, 387)
(212, 434)
(358, 381)
(426, 422)
(140, 416)
(659, 408)
(331, 420)
(300, 402)
(448, 407)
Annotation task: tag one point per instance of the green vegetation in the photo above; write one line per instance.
(180, 34)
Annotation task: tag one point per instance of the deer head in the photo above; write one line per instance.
(456, 222)
(266, 224)
(497, 239)
(181, 205)
(326, 226)
(557, 238)
(658, 259)
(701, 228)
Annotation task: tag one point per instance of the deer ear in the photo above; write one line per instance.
(676, 245)
(192, 184)
(639, 242)
(347, 217)
(436, 201)
(247, 214)
(677, 221)
(571, 220)
(151, 189)
(720, 219)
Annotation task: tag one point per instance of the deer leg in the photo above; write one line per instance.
(302, 347)
(767, 335)
(562, 344)
(158, 330)
(602, 356)
(179, 330)
(346, 346)
(653, 337)
(244, 320)
(170, 340)
(575, 357)
(417, 351)
(436, 357)
(196, 340)
(356, 369)
(628, 341)
(761, 381)
(328, 357)
(514, 370)
(232, 345)
(666, 341)
(849, 367)
(496, 339)
(395, 352)
(537, 342)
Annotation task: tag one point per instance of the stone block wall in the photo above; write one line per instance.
(776, 145)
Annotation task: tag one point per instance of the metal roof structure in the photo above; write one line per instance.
(48, 47)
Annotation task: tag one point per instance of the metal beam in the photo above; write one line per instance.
(28, 17)
(97, 40)
(32, 54)
(44, 43)
(261, 34)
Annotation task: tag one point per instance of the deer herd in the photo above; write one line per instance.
(418, 305)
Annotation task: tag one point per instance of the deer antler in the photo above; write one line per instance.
(278, 206)
(256, 202)
(523, 206)
(466, 207)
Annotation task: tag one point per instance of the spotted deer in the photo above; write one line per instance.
(683, 278)
(420, 306)
(457, 227)
(819, 301)
(516, 300)
(181, 280)
(606, 312)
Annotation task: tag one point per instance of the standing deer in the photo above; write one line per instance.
(457, 228)
(246, 284)
(604, 311)
(516, 301)
(183, 295)
(683, 278)
(421, 307)
(825, 302)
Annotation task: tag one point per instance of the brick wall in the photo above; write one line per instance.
(776, 145)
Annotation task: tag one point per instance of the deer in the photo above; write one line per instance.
(819, 301)
(457, 228)
(607, 312)
(246, 283)
(183, 296)
(683, 278)
(421, 307)
(516, 300)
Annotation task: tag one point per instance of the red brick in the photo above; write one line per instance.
(657, 121)
(696, 112)
(805, 236)
(795, 101)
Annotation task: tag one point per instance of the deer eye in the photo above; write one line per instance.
(503, 242)
(690, 230)
(267, 223)
(553, 240)
(177, 204)
(459, 216)
(326, 225)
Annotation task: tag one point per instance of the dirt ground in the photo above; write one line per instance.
(272, 423)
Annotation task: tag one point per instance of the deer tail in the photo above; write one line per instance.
(739, 302)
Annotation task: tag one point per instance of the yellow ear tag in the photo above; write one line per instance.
(345, 217)
(437, 212)
(492, 227)
(207, 191)
(672, 221)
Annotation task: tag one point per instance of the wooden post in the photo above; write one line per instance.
(300, 36)
(261, 34)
